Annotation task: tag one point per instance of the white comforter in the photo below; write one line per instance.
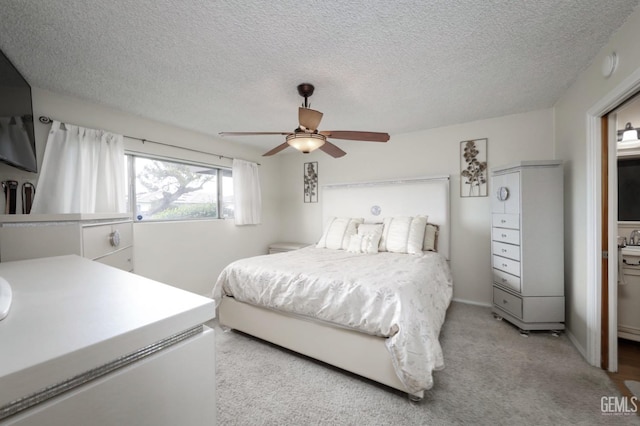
(399, 296)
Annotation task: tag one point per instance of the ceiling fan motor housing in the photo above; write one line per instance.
(305, 89)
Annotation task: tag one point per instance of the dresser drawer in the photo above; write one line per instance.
(97, 241)
(508, 302)
(121, 259)
(506, 280)
(510, 236)
(506, 250)
(511, 221)
(507, 265)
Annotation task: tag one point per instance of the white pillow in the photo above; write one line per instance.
(395, 229)
(371, 234)
(416, 234)
(338, 232)
(370, 228)
(355, 244)
(431, 237)
(403, 234)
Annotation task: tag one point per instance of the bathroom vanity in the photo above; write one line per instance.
(629, 285)
(86, 343)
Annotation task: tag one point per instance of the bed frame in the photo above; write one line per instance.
(350, 350)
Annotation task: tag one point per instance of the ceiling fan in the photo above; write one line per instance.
(307, 138)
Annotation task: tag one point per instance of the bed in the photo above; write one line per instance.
(367, 303)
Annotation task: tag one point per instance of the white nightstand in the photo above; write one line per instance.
(280, 247)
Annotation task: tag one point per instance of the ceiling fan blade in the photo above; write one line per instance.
(252, 133)
(332, 150)
(276, 150)
(356, 136)
(309, 118)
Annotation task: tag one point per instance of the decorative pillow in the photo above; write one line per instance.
(355, 244)
(416, 234)
(338, 232)
(395, 229)
(371, 234)
(370, 228)
(431, 237)
(403, 234)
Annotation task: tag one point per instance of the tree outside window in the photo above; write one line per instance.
(166, 190)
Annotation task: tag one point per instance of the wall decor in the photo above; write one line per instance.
(311, 182)
(473, 168)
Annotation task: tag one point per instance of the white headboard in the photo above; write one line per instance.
(401, 197)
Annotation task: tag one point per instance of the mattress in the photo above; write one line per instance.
(400, 297)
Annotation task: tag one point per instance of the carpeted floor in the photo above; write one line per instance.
(493, 376)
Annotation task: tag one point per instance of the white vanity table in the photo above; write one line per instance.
(86, 343)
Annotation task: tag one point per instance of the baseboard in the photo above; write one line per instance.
(577, 344)
(472, 302)
(628, 329)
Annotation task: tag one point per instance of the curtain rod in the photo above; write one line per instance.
(47, 120)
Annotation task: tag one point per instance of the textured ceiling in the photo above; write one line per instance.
(378, 65)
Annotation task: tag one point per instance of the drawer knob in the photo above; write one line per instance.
(114, 238)
(504, 250)
(503, 221)
(504, 301)
(504, 280)
(504, 235)
(504, 265)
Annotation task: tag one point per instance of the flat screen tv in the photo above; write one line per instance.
(17, 139)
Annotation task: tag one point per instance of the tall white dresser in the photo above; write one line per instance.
(527, 244)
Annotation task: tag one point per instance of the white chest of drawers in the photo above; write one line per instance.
(527, 244)
(105, 238)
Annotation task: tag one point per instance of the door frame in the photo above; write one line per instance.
(623, 91)
(604, 243)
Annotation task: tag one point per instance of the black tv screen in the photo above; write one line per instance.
(17, 139)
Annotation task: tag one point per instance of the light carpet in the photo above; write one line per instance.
(493, 376)
(633, 386)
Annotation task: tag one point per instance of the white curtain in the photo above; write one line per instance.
(82, 172)
(246, 193)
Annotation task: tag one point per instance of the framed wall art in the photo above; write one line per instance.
(311, 182)
(473, 168)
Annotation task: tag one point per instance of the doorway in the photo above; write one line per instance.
(597, 232)
(621, 211)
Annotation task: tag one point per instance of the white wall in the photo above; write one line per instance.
(189, 255)
(571, 140)
(512, 138)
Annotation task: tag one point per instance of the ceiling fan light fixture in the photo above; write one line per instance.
(306, 142)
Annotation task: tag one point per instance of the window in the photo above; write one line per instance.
(170, 190)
